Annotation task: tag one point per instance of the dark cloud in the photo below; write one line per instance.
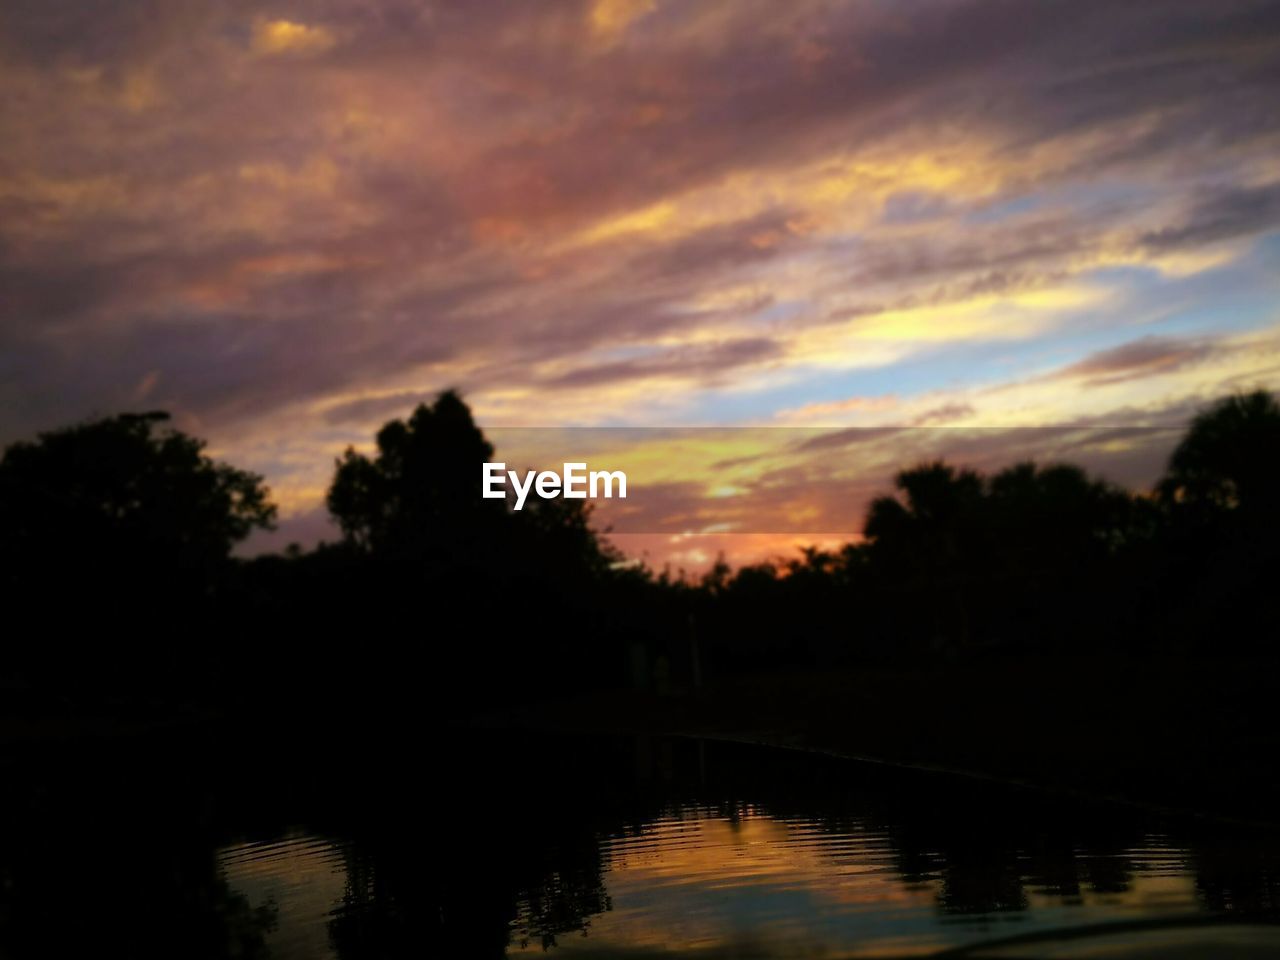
(722, 247)
(1223, 214)
(948, 411)
(847, 437)
(1148, 357)
(52, 32)
(708, 361)
(994, 265)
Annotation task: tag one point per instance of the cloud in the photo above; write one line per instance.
(944, 413)
(364, 409)
(843, 438)
(701, 361)
(1149, 356)
(290, 37)
(295, 223)
(1223, 214)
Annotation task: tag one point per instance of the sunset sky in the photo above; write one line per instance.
(289, 222)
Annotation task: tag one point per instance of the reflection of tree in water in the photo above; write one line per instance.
(486, 872)
(1106, 869)
(129, 871)
(157, 906)
(1238, 878)
(982, 885)
(402, 897)
(474, 869)
(987, 855)
(980, 848)
(475, 897)
(561, 903)
(468, 869)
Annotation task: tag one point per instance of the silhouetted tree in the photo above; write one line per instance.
(1221, 542)
(1053, 537)
(1055, 514)
(123, 491)
(558, 535)
(418, 499)
(416, 525)
(933, 521)
(1229, 458)
(419, 495)
(921, 543)
(120, 518)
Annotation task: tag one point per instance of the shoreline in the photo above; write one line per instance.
(1112, 761)
(1192, 741)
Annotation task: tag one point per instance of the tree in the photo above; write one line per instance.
(1229, 459)
(417, 503)
(123, 497)
(557, 535)
(1222, 530)
(420, 493)
(924, 545)
(969, 558)
(1055, 517)
(115, 553)
(424, 547)
(934, 520)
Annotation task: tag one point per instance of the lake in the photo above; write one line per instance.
(460, 844)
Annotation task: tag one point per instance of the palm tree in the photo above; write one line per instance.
(926, 538)
(930, 519)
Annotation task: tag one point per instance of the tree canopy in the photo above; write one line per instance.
(124, 493)
(420, 491)
(417, 499)
(1229, 457)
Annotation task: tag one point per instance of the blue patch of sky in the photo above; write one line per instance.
(1005, 209)
(915, 206)
(1237, 297)
(1082, 199)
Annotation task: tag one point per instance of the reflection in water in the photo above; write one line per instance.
(305, 873)
(353, 847)
(721, 850)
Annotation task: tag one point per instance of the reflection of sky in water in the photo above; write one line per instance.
(304, 876)
(694, 880)
(700, 881)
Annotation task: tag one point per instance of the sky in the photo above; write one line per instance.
(287, 223)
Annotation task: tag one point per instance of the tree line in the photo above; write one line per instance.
(120, 580)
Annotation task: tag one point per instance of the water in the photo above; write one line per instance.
(590, 847)
(641, 846)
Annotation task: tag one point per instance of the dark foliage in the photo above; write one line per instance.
(118, 537)
(115, 541)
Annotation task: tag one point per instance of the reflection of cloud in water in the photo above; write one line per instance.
(304, 875)
(696, 881)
